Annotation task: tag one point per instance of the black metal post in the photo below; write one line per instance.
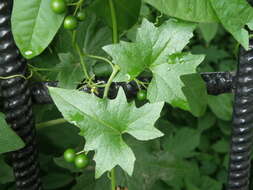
(242, 132)
(18, 105)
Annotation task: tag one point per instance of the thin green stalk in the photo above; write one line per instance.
(80, 54)
(78, 6)
(108, 84)
(115, 37)
(113, 179)
(115, 40)
(42, 69)
(50, 123)
(100, 58)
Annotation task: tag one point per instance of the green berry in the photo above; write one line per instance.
(70, 23)
(58, 6)
(81, 161)
(142, 95)
(81, 15)
(69, 155)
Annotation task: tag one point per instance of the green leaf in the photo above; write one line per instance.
(127, 12)
(208, 30)
(70, 71)
(166, 84)
(9, 140)
(234, 15)
(178, 171)
(182, 143)
(250, 24)
(6, 171)
(152, 47)
(206, 122)
(221, 106)
(103, 122)
(213, 53)
(196, 93)
(56, 180)
(57, 141)
(86, 181)
(208, 167)
(34, 26)
(191, 10)
(155, 165)
(210, 184)
(146, 166)
(222, 146)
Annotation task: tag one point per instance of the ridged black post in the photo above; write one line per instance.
(242, 132)
(17, 105)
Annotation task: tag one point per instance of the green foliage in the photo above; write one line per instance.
(193, 10)
(207, 11)
(195, 92)
(9, 140)
(7, 171)
(234, 15)
(208, 30)
(177, 138)
(70, 73)
(129, 9)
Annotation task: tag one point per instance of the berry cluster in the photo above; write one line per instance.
(70, 21)
(79, 159)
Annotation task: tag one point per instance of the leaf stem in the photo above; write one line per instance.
(108, 84)
(50, 123)
(115, 37)
(100, 58)
(113, 179)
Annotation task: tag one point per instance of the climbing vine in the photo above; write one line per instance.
(125, 111)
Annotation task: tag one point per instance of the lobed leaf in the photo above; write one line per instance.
(103, 122)
(166, 84)
(152, 47)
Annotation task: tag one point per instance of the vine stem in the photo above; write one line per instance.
(50, 123)
(108, 84)
(115, 37)
(18, 75)
(115, 40)
(113, 179)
